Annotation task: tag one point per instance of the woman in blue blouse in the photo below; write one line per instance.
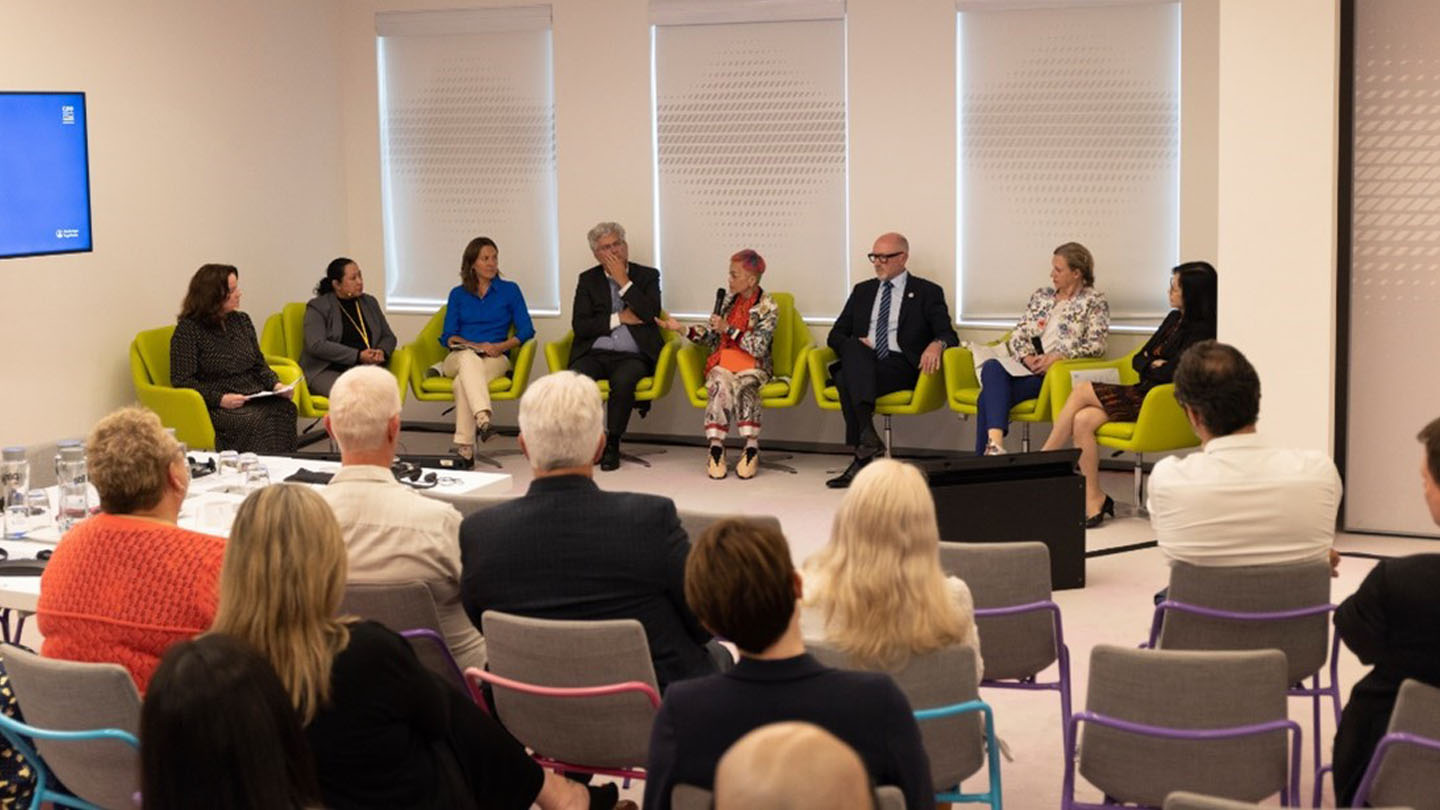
(478, 320)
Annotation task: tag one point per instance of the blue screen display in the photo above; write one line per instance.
(44, 174)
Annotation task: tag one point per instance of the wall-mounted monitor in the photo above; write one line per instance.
(44, 174)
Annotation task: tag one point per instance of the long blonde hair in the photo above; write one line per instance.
(280, 588)
(878, 583)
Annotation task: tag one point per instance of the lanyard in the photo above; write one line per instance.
(360, 324)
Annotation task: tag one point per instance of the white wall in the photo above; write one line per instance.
(1277, 197)
(212, 138)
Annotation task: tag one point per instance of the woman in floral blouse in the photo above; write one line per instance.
(1063, 322)
(739, 363)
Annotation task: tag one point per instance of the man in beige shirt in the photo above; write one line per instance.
(393, 533)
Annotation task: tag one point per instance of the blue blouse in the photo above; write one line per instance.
(488, 319)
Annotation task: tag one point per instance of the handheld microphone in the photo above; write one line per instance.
(1039, 347)
(719, 300)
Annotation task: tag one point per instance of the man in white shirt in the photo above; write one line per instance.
(393, 533)
(1239, 501)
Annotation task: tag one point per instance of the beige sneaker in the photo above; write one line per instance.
(749, 463)
(715, 462)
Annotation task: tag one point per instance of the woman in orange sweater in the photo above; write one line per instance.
(127, 583)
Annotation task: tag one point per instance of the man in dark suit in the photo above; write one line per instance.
(616, 337)
(1393, 623)
(894, 328)
(568, 550)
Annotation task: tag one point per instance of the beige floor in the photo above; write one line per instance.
(1114, 607)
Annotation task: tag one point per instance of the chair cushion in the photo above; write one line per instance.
(1124, 431)
(965, 396)
(445, 385)
(775, 389)
(894, 398)
(320, 403)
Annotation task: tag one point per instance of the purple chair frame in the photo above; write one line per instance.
(439, 641)
(474, 676)
(1362, 793)
(1289, 794)
(1315, 691)
(1062, 659)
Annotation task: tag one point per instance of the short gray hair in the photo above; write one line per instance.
(362, 403)
(604, 228)
(561, 421)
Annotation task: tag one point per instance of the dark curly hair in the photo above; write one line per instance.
(209, 288)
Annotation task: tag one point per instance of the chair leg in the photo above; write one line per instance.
(888, 437)
(1024, 437)
(1140, 485)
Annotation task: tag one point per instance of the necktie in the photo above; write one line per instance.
(882, 323)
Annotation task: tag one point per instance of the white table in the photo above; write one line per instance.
(210, 507)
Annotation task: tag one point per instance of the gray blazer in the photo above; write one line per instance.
(324, 324)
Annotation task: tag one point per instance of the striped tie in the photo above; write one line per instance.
(882, 324)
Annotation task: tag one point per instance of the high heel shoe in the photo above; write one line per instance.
(1107, 508)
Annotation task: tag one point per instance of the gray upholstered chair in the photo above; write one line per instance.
(581, 694)
(404, 606)
(956, 745)
(1405, 769)
(696, 522)
(1260, 607)
(1182, 800)
(1021, 632)
(67, 696)
(689, 797)
(1157, 721)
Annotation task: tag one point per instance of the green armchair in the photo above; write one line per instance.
(425, 351)
(649, 389)
(789, 353)
(181, 408)
(284, 336)
(927, 395)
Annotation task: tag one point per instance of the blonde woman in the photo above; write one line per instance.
(383, 730)
(877, 591)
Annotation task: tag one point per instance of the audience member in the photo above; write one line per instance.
(384, 731)
(214, 351)
(1393, 624)
(569, 550)
(893, 328)
(741, 583)
(485, 317)
(616, 337)
(344, 328)
(791, 766)
(876, 590)
(738, 336)
(1066, 320)
(127, 583)
(1090, 405)
(392, 533)
(1239, 501)
(217, 730)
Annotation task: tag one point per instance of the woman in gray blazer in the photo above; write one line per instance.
(344, 327)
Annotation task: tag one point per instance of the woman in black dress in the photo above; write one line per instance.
(1192, 319)
(215, 352)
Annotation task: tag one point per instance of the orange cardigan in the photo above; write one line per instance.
(120, 590)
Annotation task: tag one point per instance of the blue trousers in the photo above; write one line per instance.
(998, 393)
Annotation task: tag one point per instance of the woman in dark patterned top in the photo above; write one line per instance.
(215, 352)
(1192, 319)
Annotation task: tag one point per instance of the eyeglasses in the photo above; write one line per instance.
(881, 258)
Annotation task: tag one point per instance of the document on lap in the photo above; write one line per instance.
(983, 354)
(284, 389)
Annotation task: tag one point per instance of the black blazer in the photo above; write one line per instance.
(1391, 622)
(590, 314)
(700, 719)
(924, 317)
(569, 550)
(1174, 336)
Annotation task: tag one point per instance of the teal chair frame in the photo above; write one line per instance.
(992, 796)
(13, 729)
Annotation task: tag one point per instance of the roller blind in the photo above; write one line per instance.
(1069, 130)
(750, 148)
(467, 131)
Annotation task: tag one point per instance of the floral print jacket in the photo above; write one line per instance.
(754, 339)
(1084, 323)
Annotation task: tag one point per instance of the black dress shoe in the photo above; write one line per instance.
(843, 480)
(1107, 508)
(610, 459)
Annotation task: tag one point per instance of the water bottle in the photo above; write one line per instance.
(72, 477)
(15, 485)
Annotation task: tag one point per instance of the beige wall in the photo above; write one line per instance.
(248, 133)
(212, 133)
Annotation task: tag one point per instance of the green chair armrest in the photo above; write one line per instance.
(958, 363)
(929, 394)
(399, 365)
(272, 336)
(664, 368)
(819, 362)
(691, 361)
(1162, 425)
(522, 358)
(557, 353)
(180, 408)
(798, 379)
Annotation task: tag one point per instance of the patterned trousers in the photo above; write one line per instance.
(731, 395)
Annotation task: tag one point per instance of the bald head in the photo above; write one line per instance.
(791, 766)
(889, 255)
